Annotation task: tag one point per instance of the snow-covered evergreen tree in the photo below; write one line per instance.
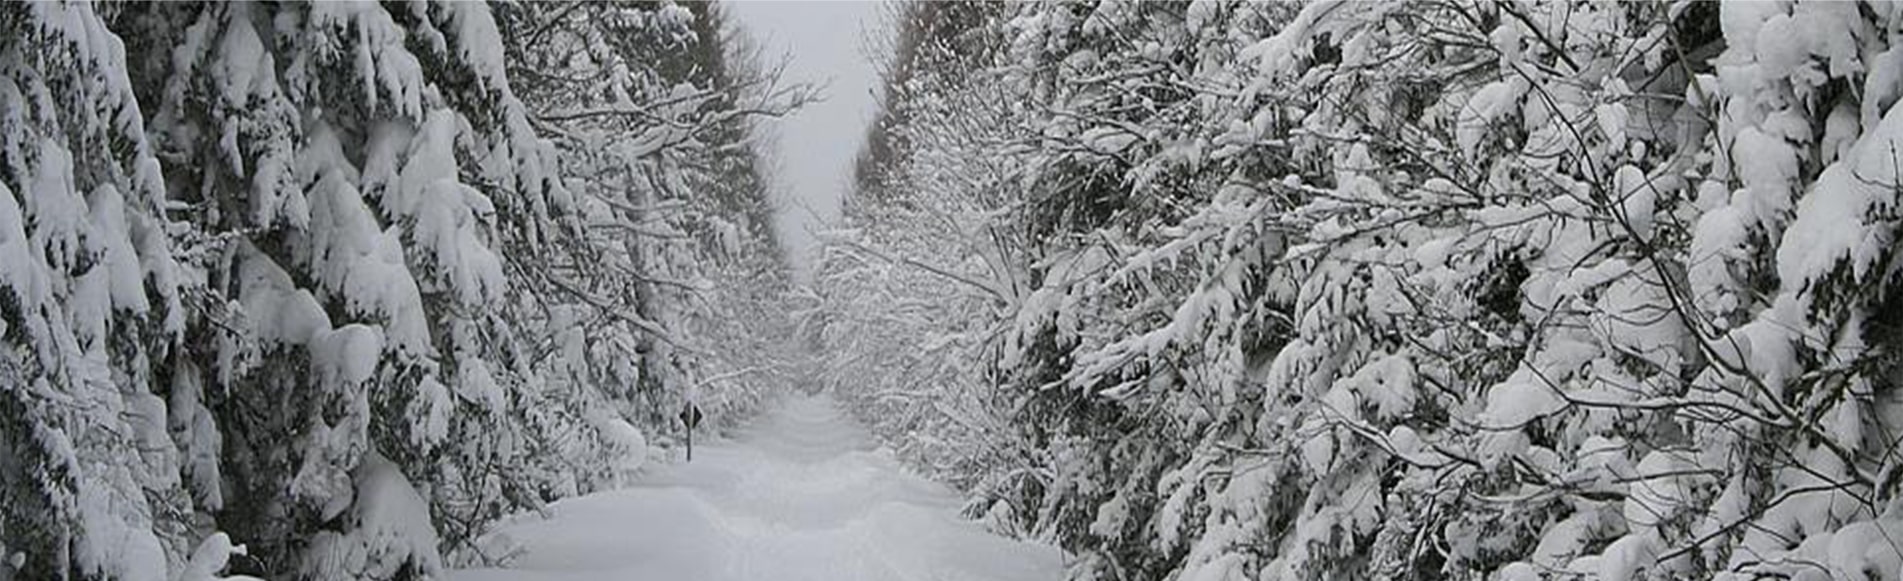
(91, 309)
(358, 173)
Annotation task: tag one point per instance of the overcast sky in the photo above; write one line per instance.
(824, 40)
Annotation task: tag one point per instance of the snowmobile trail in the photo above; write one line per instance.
(803, 494)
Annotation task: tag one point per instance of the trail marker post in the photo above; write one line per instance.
(690, 417)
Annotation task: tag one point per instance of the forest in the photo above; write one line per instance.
(343, 283)
(1423, 289)
(1210, 290)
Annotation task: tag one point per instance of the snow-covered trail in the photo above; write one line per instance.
(804, 494)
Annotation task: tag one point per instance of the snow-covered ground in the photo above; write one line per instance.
(803, 494)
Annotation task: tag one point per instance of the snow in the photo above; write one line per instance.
(278, 311)
(628, 446)
(54, 207)
(481, 44)
(802, 494)
(476, 385)
(245, 67)
(1831, 228)
(1638, 199)
(1486, 107)
(113, 545)
(1523, 397)
(20, 271)
(1388, 383)
(210, 557)
(346, 355)
(1627, 557)
(381, 60)
(1277, 55)
(431, 407)
(393, 530)
(442, 212)
(1716, 243)
(1883, 86)
(394, 520)
(115, 249)
(1662, 491)
(197, 436)
(1634, 318)
(352, 255)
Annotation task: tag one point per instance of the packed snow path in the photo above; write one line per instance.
(803, 494)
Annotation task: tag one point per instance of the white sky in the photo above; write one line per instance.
(824, 40)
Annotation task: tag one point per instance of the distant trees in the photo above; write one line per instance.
(347, 282)
(1421, 289)
(902, 302)
(653, 107)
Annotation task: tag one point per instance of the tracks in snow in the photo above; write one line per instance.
(801, 495)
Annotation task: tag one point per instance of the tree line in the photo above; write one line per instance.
(1422, 289)
(343, 283)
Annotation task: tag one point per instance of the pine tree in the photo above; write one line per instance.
(91, 309)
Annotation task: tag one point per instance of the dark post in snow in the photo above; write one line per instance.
(690, 417)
